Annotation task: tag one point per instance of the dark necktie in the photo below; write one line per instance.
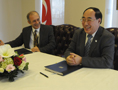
(87, 47)
(35, 38)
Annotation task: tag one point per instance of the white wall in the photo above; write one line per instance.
(13, 17)
(27, 6)
(74, 10)
(10, 19)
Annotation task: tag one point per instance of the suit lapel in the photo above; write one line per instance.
(40, 33)
(96, 40)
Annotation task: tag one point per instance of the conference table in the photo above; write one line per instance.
(82, 79)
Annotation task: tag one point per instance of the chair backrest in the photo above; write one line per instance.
(63, 36)
(114, 31)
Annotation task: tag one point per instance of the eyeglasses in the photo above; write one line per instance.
(87, 20)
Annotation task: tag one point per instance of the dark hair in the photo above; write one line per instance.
(30, 13)
(98, 13)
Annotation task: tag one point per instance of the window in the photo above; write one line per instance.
(57, 9)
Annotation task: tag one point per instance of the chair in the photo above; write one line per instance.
(114, 31)
(63, 36)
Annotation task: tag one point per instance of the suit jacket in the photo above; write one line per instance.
(101, 53)
(47, 41)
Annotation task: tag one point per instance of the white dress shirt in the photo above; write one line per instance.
(91, 38)
(31, 44)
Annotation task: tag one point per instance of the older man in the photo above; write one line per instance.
(36, 37)
(92, 46)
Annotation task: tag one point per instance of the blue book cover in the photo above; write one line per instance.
(61, 68)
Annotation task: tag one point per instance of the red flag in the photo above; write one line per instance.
(46, 12)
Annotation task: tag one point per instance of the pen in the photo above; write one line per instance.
(43, 74)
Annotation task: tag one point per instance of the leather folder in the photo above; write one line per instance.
(61, 68)
(23, 51)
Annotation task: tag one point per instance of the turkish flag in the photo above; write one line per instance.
(46, 12)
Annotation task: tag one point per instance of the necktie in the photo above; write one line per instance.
(87, 47)
(35, 38)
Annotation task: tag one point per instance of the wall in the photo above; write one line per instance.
(27, 6)
(74, 10)
(38, 7)
(13, 17)
(10, 19)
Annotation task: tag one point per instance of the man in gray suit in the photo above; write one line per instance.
(45, 40)
(101, 51)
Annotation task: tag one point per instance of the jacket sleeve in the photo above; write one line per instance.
(47, 43)
(17, 42)
(73, 44)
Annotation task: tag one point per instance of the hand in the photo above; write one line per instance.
(1, 42)
(77, 58)
(74, 59)
(70, 60)
(35, 49)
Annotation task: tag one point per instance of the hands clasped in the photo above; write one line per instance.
(74, 59)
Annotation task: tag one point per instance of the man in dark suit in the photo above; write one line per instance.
(101, 51)
(45, 40)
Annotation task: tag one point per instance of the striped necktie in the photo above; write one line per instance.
(35, 38)
(87, 47)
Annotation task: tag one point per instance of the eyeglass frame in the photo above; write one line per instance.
(87, 20)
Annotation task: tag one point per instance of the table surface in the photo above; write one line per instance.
(82, 79)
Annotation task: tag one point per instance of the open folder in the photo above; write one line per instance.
(23, 51)
(61, 68)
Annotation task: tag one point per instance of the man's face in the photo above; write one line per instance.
(34, 20)
(89, 21)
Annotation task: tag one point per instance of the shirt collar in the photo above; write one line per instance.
(38, 30)
(92, 34)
